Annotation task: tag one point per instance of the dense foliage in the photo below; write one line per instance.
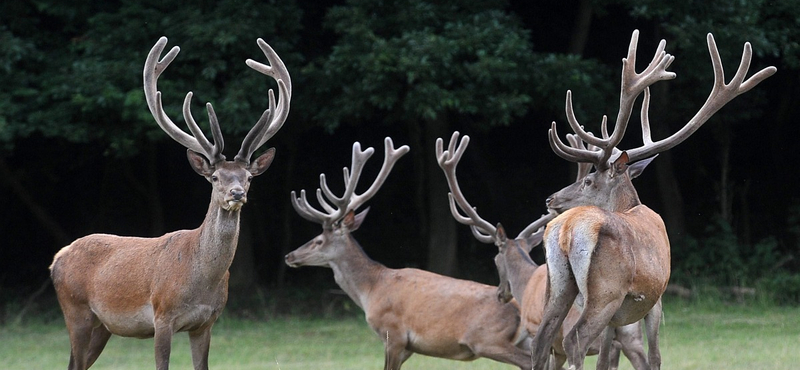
(79, 151)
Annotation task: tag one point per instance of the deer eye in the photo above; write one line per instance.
(214, 178)
(249, 178)
(587, 182)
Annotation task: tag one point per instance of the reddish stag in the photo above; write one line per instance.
(520, 276)
(155, 287)
(411, 310)
(607, 251)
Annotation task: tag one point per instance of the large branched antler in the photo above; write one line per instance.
(481, 229)
(273, 118)
(270, 122)
(634, 84)
(337, 207)
(153, 67)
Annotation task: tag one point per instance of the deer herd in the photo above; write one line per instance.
(607, 254)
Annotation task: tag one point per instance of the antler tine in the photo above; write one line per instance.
(647, 138)
(153, 67)
(391, 155)
(721, 94)
(336, 207)
(583, 167)
(536, 225)
(570, 153)
(448, 161)
(273, 118)
(357, 165)
(305, 210)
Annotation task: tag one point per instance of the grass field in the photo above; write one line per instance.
(692, 337)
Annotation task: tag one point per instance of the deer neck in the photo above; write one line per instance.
(520, 268)
(355, 272)
(624, 197)
(219, 235)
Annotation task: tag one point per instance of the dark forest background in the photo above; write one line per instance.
(80, 153)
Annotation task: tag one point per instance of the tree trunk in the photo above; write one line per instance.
(668, 186)
(243, 271)
(47, 222)
(442, 238)
(580, 32)
(287, 212)
(725, 190)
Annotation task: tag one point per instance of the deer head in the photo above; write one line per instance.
(339, 219)
(230, 179)
(609, 187)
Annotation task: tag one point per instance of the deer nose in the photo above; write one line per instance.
(237, 194)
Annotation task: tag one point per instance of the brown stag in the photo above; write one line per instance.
(606, 251)
(522, 278)
(411, 310)
(155, 287)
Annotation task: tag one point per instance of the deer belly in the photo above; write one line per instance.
(133, 323)
(430, 344)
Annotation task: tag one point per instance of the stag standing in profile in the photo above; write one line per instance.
(523, 279)
(155, 287)
(411, 310)
(606, 250)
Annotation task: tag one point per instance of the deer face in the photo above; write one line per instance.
(610, 188)
(230, 179)
(316, 252)
(329, 246)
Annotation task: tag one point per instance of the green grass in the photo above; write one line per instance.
(692, 337)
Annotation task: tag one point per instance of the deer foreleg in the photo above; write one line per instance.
(605, 359)
(395, 350)
(652, 321)
(630, 339)
(163, 344)
(200, 342)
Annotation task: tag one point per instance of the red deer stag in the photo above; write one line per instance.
(521, 277)
(154, 287)
(411, 310)
(606, 250)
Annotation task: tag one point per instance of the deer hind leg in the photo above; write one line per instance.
(561, 292)
(593, 321)
(505, 352)
(200, 341)
(80, 323)
(99, 338)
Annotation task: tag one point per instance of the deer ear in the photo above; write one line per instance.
(500, 236)
(534, 239)
(620, 164)
(637, 168)
(353, 221)
(199, 163)
(261, 163)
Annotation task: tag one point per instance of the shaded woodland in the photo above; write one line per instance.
(80, 153)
